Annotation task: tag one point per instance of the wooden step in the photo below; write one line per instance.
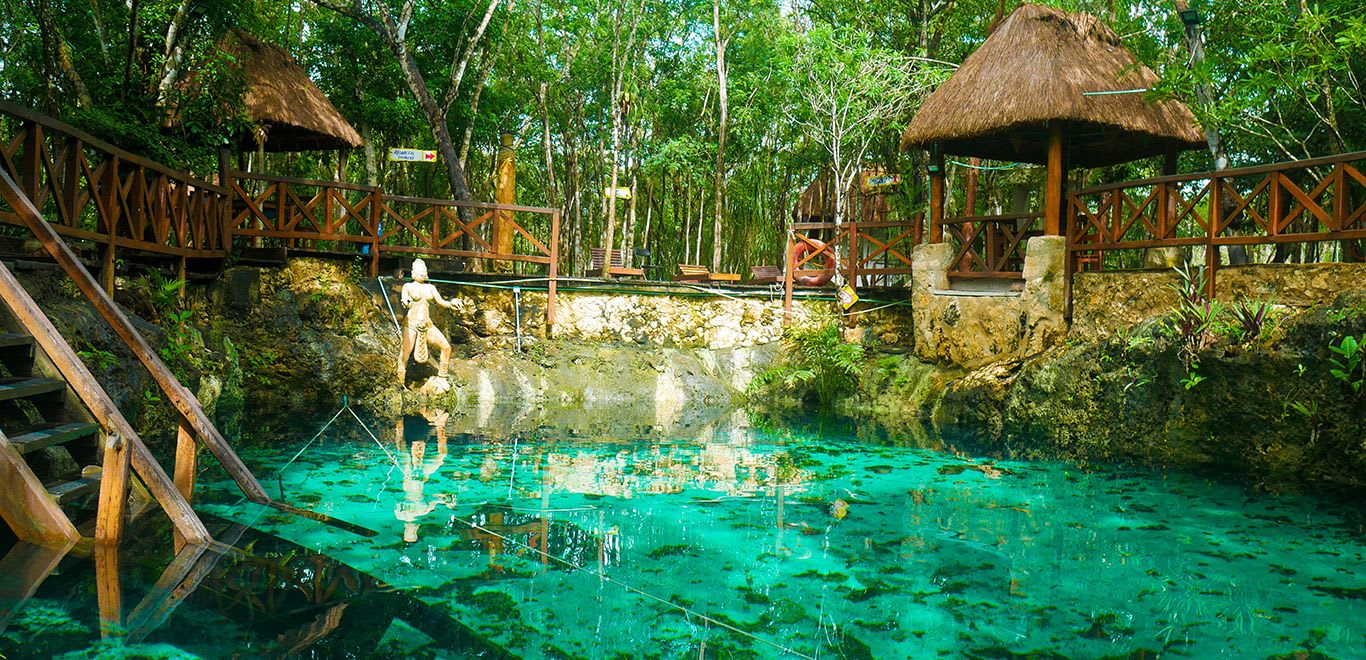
(10, 340)
(19, 388)
(55, 435)
(66, 492)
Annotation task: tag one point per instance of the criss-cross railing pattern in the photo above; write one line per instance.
(991, 245)
(1308, 201)
(304, 209)
(869, 253)
(92, 191)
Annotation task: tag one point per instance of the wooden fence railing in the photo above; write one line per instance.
(1307, 201)
(991, 245)
(874, 253)
(93, 191)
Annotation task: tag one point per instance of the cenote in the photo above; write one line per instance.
(723, 540)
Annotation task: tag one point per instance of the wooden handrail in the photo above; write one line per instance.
(92, 141)
(473, 205)
(94, 397)
(306, 182)
(1227, 174)
(181, 398)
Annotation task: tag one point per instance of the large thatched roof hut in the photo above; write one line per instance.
(294, 114)
(1042, 67)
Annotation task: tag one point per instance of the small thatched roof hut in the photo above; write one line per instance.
(294, 113)
(1043, 66)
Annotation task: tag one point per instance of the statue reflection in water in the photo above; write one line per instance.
(418, 467)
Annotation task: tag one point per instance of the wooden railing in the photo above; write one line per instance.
(1307, 201)
(874, 253)
(991, 245)
(93, 191)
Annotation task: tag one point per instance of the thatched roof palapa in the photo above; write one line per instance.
(295, 114)
(1045, 65)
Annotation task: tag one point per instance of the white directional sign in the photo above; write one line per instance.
(412, 156)
(619, 193)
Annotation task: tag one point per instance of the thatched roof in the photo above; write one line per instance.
(295, 114)
(1035, 69)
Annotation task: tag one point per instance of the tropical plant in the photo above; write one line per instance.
(817, 359)
(1348, 366)
(1192, 322)
(1250, 318)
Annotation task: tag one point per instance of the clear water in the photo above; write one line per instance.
(729, 541)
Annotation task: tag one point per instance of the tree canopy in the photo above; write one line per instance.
(631, 91)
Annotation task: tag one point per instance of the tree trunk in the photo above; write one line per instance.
(722, 127)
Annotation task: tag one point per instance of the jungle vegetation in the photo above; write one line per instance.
(712, 112)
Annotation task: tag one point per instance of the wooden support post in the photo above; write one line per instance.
(31, 166)
(853, 254)
(553, 273)
(108, 261)
(936, 195)
(1212, 232)
(1053, 188)
(970, 192)
(109, 590)
(113, 511)
(24, 503)
(186, 467)
(376, 220)
(505, 192)
(180, 397)
(790, 263)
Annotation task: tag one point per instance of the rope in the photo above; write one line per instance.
(372, 437)
(345, 407)
(874, 309)
(1011, 166)
(392, 315)
(636, 591)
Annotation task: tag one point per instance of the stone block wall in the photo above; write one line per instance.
(971, 330)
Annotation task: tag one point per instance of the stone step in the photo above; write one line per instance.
(55, 435)
(69, 491)
(21, 388)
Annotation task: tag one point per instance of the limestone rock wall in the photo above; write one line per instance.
(1110, 302)
(682, 320)
(965, 330)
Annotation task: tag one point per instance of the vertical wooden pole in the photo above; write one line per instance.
(31, 167)
(936, 195)
(853, 253)
(109, 590)
(554, 273)
(970, 192)
(108, 260)
(376, 218)
(787, 280)
(1053, 201)
(1212, 232)
(186, 467)
(113, 511)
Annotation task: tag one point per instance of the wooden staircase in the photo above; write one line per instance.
(44, 435)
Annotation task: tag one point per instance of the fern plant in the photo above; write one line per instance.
(817, 359)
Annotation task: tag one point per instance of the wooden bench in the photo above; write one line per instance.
(765, 274)
(618, 268)
(690, 273)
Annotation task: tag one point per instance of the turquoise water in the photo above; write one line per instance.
(729, 541)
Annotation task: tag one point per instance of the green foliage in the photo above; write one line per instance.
(100, 358)
(1192, 322)
(817, 359)
(1249, 319)
(1348, 366)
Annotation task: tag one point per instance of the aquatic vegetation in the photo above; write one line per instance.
(1348, 364)
(817, 359)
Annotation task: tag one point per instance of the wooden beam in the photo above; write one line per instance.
(937, 195)
(101, 407)
(180, 397)
(113, 508)
(186, 467)
(24, 504)
(109, 590)
(1053, 192)
(553, 272)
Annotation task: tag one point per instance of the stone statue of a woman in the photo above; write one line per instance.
(421, 333)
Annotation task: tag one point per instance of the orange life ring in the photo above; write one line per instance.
(799, 251)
